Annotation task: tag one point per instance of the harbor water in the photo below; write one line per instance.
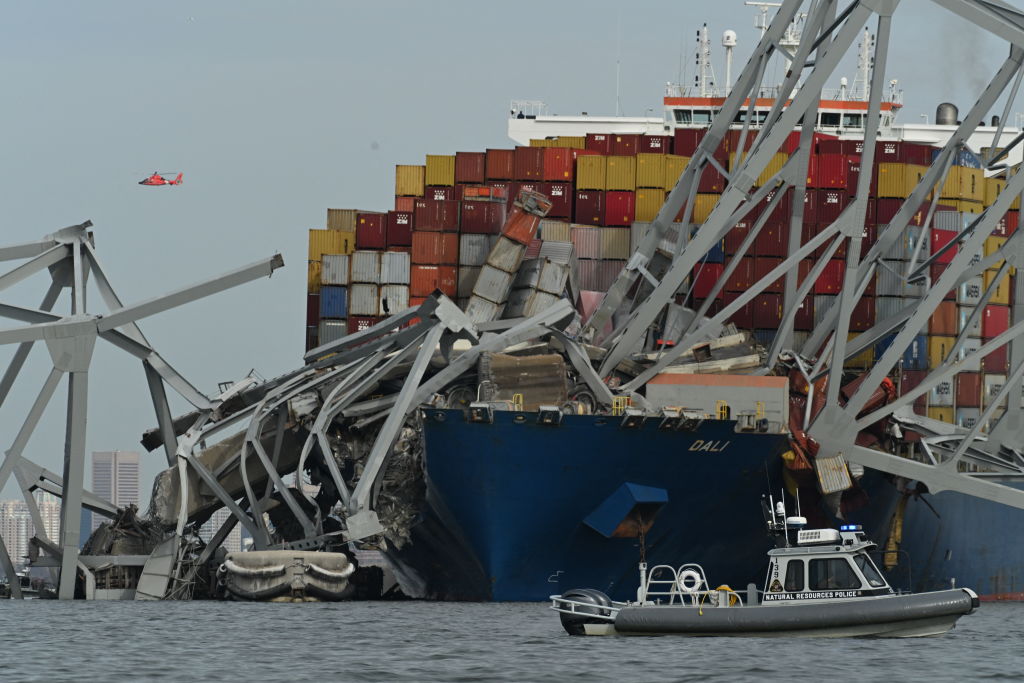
(428, 641)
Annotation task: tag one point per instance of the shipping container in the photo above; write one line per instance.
(614, 243)
(598, 275)
(331, 330)
(968, 417)
(705, 277)
(333, 302)
(743, 318)
(473, 249)
(424, 279)
(686, 140)
(619, 208)
(997, 361)
(363, 299)
(963, 316)
(559, 165)
(393, 299)
(470, 167)
(439, 215)
(648, 203)
(394, 268)
(822, 305)
(561, 196)
(943, 320)
(528, 164)
(358, 323)
(591, 172)
(481, 310)
(493, 284)
(407, 204)
(329, 242)
(398, 230)
(767, 311)
(500, 164)
(621, 173)
(655, 144)
(650, 170)
(364, 267)
(968, 389)
(941, 414)
(506, 255)
(600, 143)
(1001, 294)
(435, 248)
(994, 321)
(410, 181)
(742, 276)
(970, 346)
(341, 219)
(625, 144)
(587, 241)
(313, 274)
(312, 309)
(525, 303)
(467, 280)
(589, 207)
(938, 349)
(555, 231)
(482, 218)
(371, 231)
(440, 169)
(334, 269)
(991, 385)
(674, 167)
(969, 293)
(942, 394)
(521, 225)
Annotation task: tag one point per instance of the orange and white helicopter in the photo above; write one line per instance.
(158, 179)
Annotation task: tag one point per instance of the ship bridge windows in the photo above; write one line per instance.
(683, 115)
(757, 118)
(832, 573)
(830, 118)
(853, 120)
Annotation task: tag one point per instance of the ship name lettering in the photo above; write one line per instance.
(710, 446)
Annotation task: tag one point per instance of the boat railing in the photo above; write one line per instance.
(688, 585)
(588, 609)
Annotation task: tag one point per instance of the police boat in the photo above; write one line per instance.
(820, 582)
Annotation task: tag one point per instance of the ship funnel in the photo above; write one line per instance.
(946, 114)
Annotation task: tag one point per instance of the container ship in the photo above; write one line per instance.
(517, 509)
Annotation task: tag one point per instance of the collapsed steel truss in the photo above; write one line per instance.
(71, 258)
(828, 34)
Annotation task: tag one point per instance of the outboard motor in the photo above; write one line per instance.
(573, 623)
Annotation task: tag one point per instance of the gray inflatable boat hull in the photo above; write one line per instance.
(922, 614)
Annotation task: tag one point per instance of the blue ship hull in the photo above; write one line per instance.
(517, 511)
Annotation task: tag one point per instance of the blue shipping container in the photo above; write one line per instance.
(914, 358)
(333, 302)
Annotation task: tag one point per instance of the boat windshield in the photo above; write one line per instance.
(867, 567)
(831, 574)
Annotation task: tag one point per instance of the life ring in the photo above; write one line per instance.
(689, 581)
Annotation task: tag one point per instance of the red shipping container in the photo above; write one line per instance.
(312, 309)
(686, 140)
(423, 280)
(939, 239)
(994, 321)
(500, 164)
(830, 203)
(780, 214)
(559, 164)
(863, 316)
(560, 195)
(493, 192)
(625, 145)
(517, 187)
(1012, 221)
(589, 207)
(742, 276)
(371, 231)
(529, 164)
(767, 311)
(804, 319)
(996, 362)
(829, 171)
(935, 271)
(599, 142)
(500, 188)
(771, 241)
(437, 215)
(836, 146)
(734, 239)
(358, 323)
(619, 208)
(704, 278)
(711, 180)
(764, 265)
(831, 279)
(482, 218)
(399, 228)
(655, 144)
(744, 317)
(909, 380)
(435, 248)
(521, 226)
(442, 192)
(943, 320)
(405, 204)
(470, 167)
(968, 390)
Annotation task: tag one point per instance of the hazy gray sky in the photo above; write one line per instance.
(276, 111)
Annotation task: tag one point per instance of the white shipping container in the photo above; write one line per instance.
(967, 417)
(952, 220)
(888, 306)
(467, 279)
(331, 330)
(493, 284)
(334, 269)
(963, 314)
(393, 299)
(363, 299)
(506, 255)
(525, 303)
(554, 230)
(481, 310)
(528, 274)
(365, 269)
(969, 293)
(941, 394)
(394, 268)
(970, 346)
(822, 304)
(473, 249)
(587, 240)
(553, 277)
(992, 385)
(615, 243)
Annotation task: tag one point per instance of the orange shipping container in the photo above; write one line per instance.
(435, 248)
(423, 280)
(558, 164)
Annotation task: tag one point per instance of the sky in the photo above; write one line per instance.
(277, 111)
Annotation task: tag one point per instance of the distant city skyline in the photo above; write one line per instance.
(17, 528)
(115, 478)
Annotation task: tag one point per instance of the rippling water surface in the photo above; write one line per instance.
(425, 641)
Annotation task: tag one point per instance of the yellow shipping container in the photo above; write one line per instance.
(555, 231)
(898, 180)
(621, 173)
(863, 360)
(674, 167)
(1001, 295)
(941, 414)
(330, 242)
(591, 172)
(938, 349)
(440, 169)
(993, 188)
(648, 203)
(571, 141)
(409, 180)
(313, 277)
(703, 205)
(650, 170)
(541, 143)
(964, 183)
(965, 205)
(342, 219)
(774, 166)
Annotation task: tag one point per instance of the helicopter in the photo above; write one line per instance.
(158, 179)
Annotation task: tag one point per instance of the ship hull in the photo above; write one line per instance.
(511, 505)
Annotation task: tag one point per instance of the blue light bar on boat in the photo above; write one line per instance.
(851, 527)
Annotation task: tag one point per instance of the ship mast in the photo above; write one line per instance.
(862, 81)
(705, 78)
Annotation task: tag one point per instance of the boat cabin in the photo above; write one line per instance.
(825, 564)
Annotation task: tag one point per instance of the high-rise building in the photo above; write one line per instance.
(115, 477)
(233, 543)
(16, 529)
